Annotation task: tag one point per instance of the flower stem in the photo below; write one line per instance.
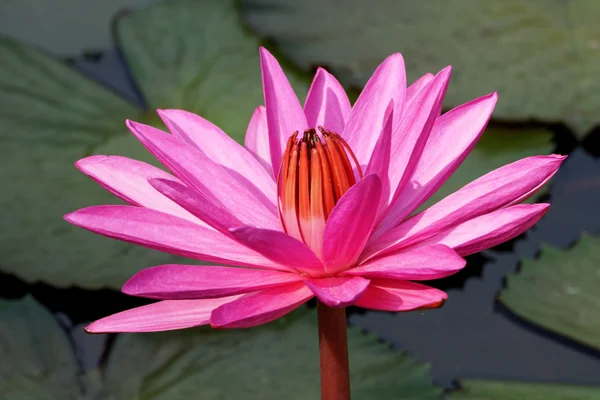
(333, 347)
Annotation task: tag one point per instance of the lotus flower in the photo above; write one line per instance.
(319, 202)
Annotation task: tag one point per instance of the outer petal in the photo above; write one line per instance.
(452, 138)
(284, 112)
(380, 159)
(392, 295)
(326, 104)
(262, 307)
(491, 229)
(128, 179)
(257, 139)
(338, 292)
(193, 167)
(350, 224)
(492, 191)
(417, 86)
(219, 147)
(366, 119)
(424, 263)
(167, 233)
(175, 282)
(281, 248)
(161, 316)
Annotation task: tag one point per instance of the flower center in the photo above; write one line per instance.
(313, 175)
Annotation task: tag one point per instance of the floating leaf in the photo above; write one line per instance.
(559, 291)
(542, 56)
(497, 390)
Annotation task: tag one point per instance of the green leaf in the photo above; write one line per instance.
(542, 56)
(559, 291)
(37, 359)
(275, 361)
(497, 390)
(497, 147)
(196, 55)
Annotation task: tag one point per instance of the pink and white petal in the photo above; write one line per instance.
(491, 229)
(220, 184)
(393, 295)
(219, 147)
(284, 112)
(423, 263)
(177, 282)
(452, 138)
(492, 191)
(259, 308)
(350, 224)
(380, 159)
(257, 139)
(160, 316)
(281, 248)
(128, 179)
(164, 232)
(365, 122)
(338, 292)
(198, 204)
(326, 104)
(417, 86)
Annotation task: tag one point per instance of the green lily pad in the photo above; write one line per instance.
(497, 147)
(542, 56)
(270, 362)
(498, 390)
(559, 291)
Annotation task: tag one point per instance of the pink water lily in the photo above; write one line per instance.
(319, 202)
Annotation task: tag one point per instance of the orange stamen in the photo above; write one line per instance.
(303, 191)
(328, 196)
(340, 180)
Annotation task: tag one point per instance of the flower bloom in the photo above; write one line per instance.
(319, 202)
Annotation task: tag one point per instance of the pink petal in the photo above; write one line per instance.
(220, 148)
(366, 119)
(165, 232)
(338, 292)
(491, 229)
(281, 248)
(284, 112)
(424, 263)
(420, 84)
(392, 295)
(128, 179)
(451, 140)
(492, 191)
(176, 282)
(350, 224)
(220, 184)
(161, 316)
(261, 307)
(257, 139)
(326, 104)
(380, 159)
(198, 204)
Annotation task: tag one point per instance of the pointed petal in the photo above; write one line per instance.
(366, 119)
(261, 307)
(451, 140)
(492, 191)
(257, 139)
(284, 112)
(219, 147)
(380, 159)
(193, 167)
(338, 292)
(198, 204)
(128, 179)
(161, 316)
(417, 86)
(164, 232)
(491, 229)
(281, 248)
(326, 104)
(350, 224)
(420, 264)
(392, 295)
(181, 282)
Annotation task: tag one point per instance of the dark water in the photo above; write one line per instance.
(471, 337)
